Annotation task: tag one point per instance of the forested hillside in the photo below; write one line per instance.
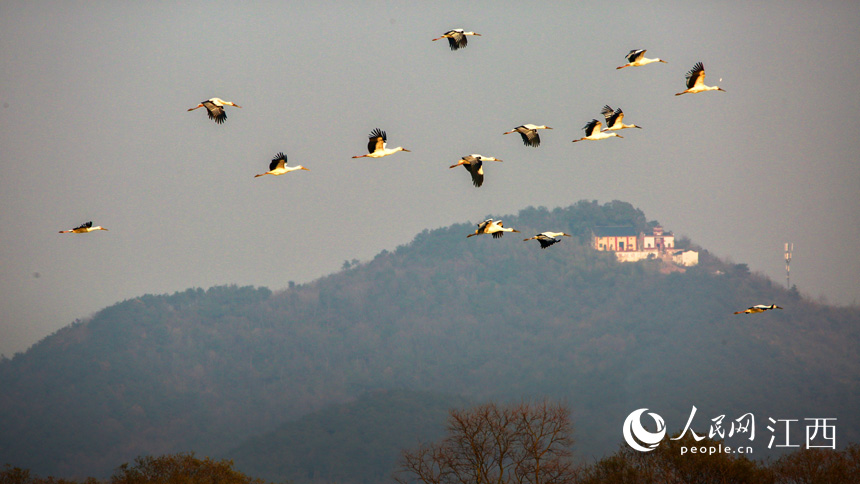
(482, 318)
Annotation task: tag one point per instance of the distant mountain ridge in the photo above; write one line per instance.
(481, 318)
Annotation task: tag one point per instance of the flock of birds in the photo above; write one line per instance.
(474, 163)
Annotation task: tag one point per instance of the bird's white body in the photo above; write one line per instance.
(696, 81)
(546, 239)
(492, 227)
(83, 229)
(215, 108)
(593, 132)
(456, 38)
(474, 164)
(636, 58)
(278, 166)
(376, 146)
(615, 119)
(529, 133)
(385, 151)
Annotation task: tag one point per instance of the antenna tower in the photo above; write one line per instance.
(788, 248)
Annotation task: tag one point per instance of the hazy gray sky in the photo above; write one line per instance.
(93, 126)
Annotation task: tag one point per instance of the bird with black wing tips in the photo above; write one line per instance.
(758, 308)
(696, 81)
(278, 166)
(546, 239)
(496, 228)
(456, 38)
(474, 164)
(529, 133)
(593, 132)
(615, 119)
(636, 58)
(83, 229)
(215, 108)
(376, 146)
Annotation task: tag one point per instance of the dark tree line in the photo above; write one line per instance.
(525, 443)
(531, 444)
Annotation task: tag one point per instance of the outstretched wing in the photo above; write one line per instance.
(475, 168)
(530, 136)
(634, 55)
(546, 241)
(456, 39)
(591, 126)
(696, 75)
(376, 141)
(612, 116)
(278, 161)
(215, 111)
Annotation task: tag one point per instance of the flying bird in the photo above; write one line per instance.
(492, 227)
(83, 229)
(614, 119)
(592, 132)
(474, 164)
(696, 81)
(278, 166)
(215, 108)
(376, 146)
(456, 38)
(529, 134)
(758, 308)
(636, 58)
(546, 239)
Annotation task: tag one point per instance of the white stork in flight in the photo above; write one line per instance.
(456, 38)
(529, 134)
(758, 308)
(215, 108)
(636, 58)
(474, 164)
(696, 81)
(615, 119)
(592, 132)
(492, 227)
(278, 166)
(546, 239)
(83, 229)
(376, 146)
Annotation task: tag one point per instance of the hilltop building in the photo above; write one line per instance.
(630, 246)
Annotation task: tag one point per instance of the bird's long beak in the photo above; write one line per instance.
(661, 60)
(408, 151)
(195, 107)
(548, 127)
(514, 230)
(619, 135)
(437, 38)
(721, 89)
(306, 169)
(236, 105)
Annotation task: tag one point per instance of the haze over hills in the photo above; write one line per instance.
(479, 318)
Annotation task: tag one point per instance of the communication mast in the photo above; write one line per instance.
(788, 248)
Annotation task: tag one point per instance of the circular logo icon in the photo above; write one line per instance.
(636, 435)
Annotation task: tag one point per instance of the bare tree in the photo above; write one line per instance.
(526, 443)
